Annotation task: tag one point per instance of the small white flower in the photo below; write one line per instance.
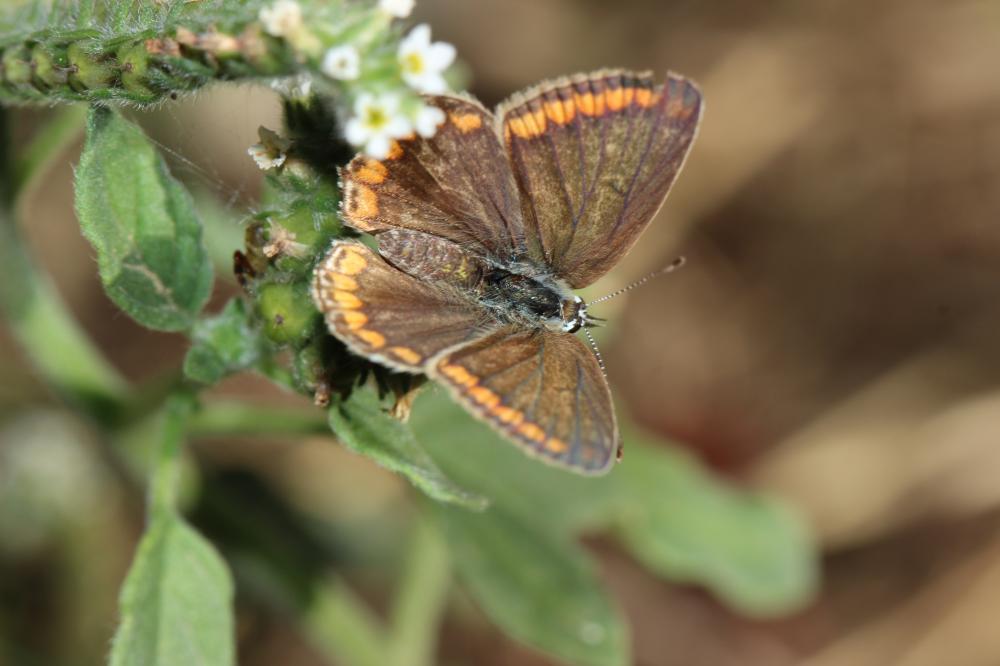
(376, 122)
(272, 150)
(427, 119)
(281, 19)
(294, 87)
(422, 62)
(342, 62)
(396, 8)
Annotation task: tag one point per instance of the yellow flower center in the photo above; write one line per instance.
(375, 117)
(413, 63)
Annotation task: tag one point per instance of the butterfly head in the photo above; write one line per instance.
(574, 315)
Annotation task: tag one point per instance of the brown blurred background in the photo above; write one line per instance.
(834, 339)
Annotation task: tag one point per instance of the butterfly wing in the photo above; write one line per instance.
(388, 316)
(541, 389)
(594, 157)
(456, 185)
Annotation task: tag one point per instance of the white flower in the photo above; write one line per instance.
(342, 62)
(423, 62)
(396, 8)
(293, 86)
(376, 122)
(271, 152)
(264, 157)
(281, 19)
(427, 119)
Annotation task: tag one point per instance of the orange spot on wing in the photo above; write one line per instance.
(395, 150)
(519, 128)
(557, 112)
(350, 262)
(508, 415)
(537, 119)
(346, 299)
(615, 98)
(362, 202)
(629, 96)
(484, 397)
(585, 103)
(373, 338)
(371, 171)
(466, 122)
(406, 355)
(354, 319)
(459, 375)
(644, 97)
(556, 445)
(343, 282)
(531, 431)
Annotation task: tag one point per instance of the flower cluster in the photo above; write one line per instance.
(386, 102)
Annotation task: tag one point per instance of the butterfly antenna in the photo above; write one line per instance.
(597, 352)
(669, 268)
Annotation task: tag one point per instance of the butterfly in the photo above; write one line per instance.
(483, 232)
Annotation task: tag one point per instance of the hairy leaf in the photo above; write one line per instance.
(687, 526)
(538, 586)
(362, 426)
(142, 224)
(222, 344)
(176, 605)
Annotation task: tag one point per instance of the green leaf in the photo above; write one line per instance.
(142, 224)
(176, 605)
(538, 587)
(678, 519)
(222, 344)
(475, 456)
(688, 526)
(362, 426)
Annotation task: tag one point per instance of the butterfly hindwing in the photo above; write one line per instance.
(543, 390)
(594, 157)
(456, 185)
(386, 315)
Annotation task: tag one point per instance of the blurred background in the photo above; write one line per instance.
(833, 340)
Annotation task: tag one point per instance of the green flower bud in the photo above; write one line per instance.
(87, 72)
(288, 313)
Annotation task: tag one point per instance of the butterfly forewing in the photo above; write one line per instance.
(456, 185)
(385, 315)
(541, 389)
(594, 157)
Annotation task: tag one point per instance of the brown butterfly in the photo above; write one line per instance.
(484, 230)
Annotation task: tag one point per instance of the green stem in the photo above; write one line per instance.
(166, 474)
(224, 418)
(339, 624)
(421, 599)
(35, 313)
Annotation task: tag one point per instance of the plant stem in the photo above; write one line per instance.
(420, 599)
(163, 489)
(339, 624)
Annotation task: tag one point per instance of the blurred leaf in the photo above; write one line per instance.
(682, 522)
(478, 458)
(176, 605)
(538, 587)
(362, 426)
(142, 224)
(689, 526)
(222, 344)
